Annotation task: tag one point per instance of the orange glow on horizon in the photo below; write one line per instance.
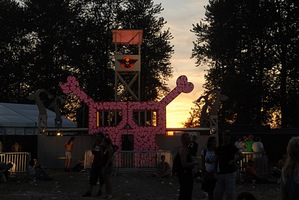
(177, 112)
(169, 133)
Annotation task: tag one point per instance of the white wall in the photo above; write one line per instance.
(51, 151)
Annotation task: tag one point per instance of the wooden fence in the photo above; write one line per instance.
(260, 161)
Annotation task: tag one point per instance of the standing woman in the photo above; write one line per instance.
(289, 187)
(68, 154)
(208, 161)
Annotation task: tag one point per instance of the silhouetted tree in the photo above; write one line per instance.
(242, 45)
(13, 52)
(43, 42)
(156, 49)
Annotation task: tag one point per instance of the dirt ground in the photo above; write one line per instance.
(126, 186)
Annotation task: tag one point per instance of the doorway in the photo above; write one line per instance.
(127, 158)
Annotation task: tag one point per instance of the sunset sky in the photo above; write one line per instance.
(180, 15)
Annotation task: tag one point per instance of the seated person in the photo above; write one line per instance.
(79, 166)
(163, 168)
(4, 171)
(36, 172)
(30, 170)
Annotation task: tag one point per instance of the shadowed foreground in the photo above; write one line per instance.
(135, 186)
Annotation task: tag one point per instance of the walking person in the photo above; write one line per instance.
(107, 166)
(289, 185)
(68, 154)
(96, 167)
(226, 157)
(208, 162)
(185, 175)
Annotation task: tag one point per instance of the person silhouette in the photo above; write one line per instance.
(185, 174)
(69, 145)
(163, 168)
(227, 155)
(97, 165)
(16, 147)
(289, 185)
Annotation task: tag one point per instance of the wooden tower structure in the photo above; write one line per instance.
(127, 64)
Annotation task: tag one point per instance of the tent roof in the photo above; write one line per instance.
(26, 115)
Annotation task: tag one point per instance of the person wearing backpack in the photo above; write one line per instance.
(184, 172)
(208, 161)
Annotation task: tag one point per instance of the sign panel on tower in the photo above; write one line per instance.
(127, 63)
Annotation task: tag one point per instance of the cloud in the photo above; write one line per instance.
(180, 15)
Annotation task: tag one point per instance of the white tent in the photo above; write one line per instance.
(22, 119)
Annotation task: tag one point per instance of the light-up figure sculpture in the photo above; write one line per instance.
(144, 136)
(126, 122)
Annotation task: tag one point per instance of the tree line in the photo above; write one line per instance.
(42, 42)
(251, 50)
